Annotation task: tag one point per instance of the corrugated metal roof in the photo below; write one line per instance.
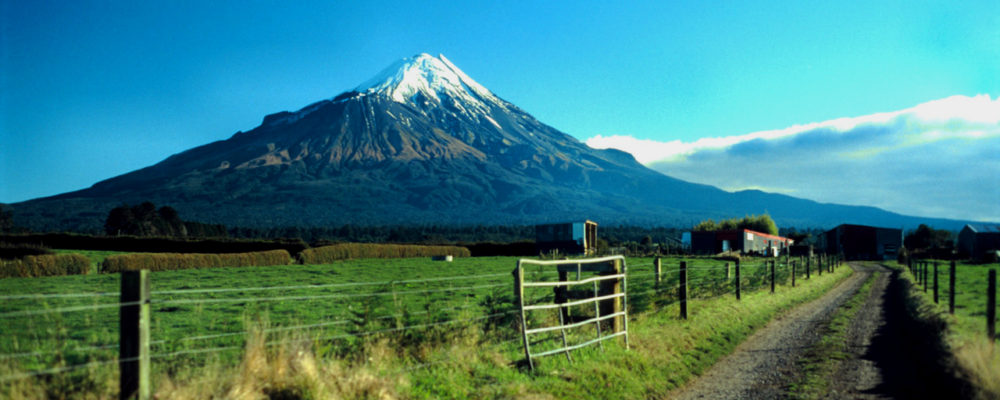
(984, 228)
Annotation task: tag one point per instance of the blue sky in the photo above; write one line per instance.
(90, 90)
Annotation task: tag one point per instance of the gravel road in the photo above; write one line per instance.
(889, 354)
(760, 367)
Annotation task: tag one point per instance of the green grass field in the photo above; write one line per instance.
(976, 354)
(201, 317)
(970, 295)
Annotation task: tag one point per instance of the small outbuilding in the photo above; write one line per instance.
(744, 241)
(567, 238)
(860, 242)
(978, 240)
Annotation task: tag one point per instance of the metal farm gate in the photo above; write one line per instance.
(606, 286)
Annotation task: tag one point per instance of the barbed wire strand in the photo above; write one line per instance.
(42, 296)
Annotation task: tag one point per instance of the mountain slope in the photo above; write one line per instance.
(420, 143)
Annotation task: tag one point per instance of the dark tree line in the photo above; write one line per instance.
(146, 220)
(760, 223)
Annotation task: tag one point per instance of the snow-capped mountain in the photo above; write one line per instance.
(419, 143)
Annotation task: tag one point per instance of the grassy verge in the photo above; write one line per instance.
(821, 360)
(964, 331)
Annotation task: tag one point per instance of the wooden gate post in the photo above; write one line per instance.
(951, 288)
(683, 286)
(737, 279)
(133, 342)
(925, 276)
(772, 275)
(991, 305)
(935, 282)
(792, 265)
(658, 266)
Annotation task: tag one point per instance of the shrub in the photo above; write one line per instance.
(344, 251)
(173, 261)
(45, 265)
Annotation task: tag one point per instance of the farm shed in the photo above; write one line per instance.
(567, 238)
(742, 240)
(976, 240)
(860, 242)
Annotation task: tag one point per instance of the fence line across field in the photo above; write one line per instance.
(330, 285)
(316, 297)
(49, 352)
(92, 307)
(43, 296)
(309, 326)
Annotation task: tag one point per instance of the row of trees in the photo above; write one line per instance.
(146, 220)
(760, 223)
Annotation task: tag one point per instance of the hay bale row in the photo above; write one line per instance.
(45, 265)
(174, 261)
(346, 251)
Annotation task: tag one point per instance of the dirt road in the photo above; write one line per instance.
(881, 346)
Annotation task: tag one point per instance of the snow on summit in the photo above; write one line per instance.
(427, 75)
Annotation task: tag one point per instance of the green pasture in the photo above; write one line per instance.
(970, 295)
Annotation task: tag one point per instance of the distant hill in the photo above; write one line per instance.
(422, 143)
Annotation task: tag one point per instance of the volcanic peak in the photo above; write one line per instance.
(434, 77)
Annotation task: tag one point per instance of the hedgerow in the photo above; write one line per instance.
(173, 261)
(45, 265)
(345, 251)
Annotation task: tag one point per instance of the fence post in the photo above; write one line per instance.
(819, 264)
(951, 288)
(133, 341)
(935, 282)
(772, 276)
(991, 305)
(738, 279)
(808, 261)
(926, 264)
(792, 265)
(728, 275)
(683, 290)
(658, 266)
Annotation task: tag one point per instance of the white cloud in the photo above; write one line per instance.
(937, 159)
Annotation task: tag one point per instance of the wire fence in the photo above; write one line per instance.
(200, 321)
